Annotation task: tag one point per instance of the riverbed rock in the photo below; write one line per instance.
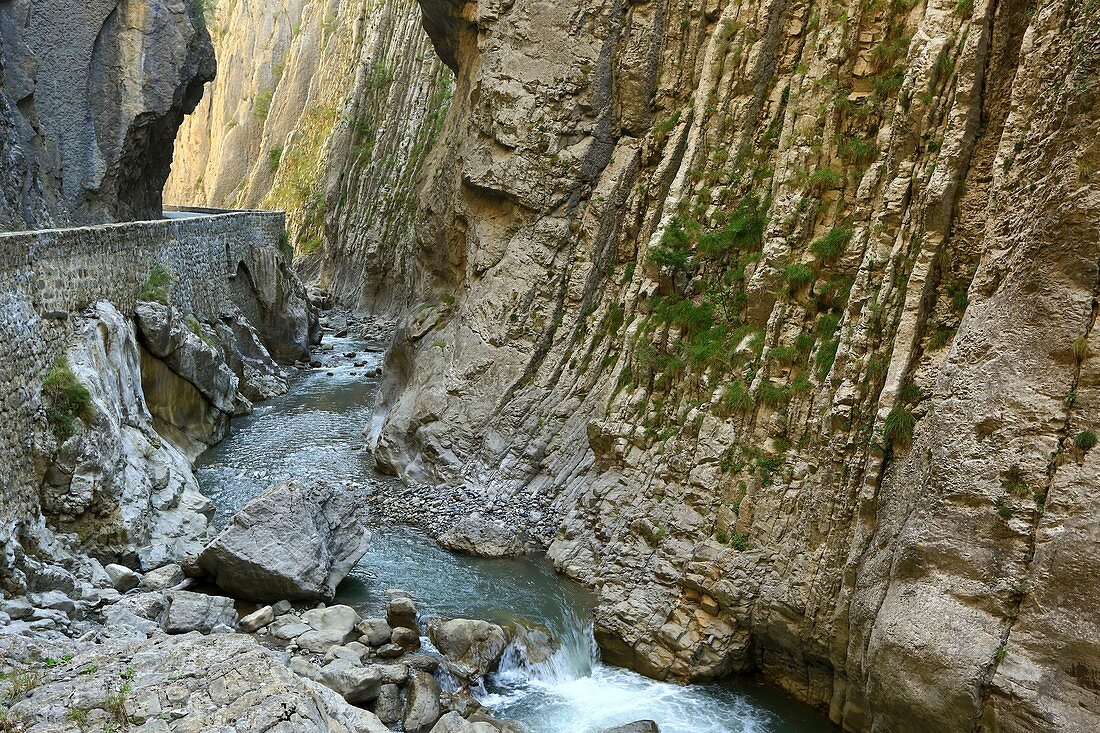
(638, 726)
(259, 376)
(257, 619)
(294, 542)
(162, 578)
(354, 682)
(122, 577)
(328, 627)
(407, 639)
(374, 631)
(401, 611)
(189, 611)
(390, 705)
(472, 647)
(483, 537)
(422, 708)
(453, 722)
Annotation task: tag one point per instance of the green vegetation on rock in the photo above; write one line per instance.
(67, 400)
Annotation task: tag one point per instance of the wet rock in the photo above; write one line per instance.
(640, 726)
(374, 631)
(292, 542)
(189, 611)
(389, 651)
(422, 708)
(122, 577)
(454, 723)
(401, 611)
(389, 706)
(257, 619)
(259, 376)
(407, 639)
(473, 648)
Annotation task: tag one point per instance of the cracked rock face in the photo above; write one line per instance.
(775, 322)
(189, 683)
(86, 126)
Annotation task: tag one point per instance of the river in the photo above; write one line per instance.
(315, 432)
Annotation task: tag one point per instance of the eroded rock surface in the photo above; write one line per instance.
(87, 126)
(775, 322)
(117, 482)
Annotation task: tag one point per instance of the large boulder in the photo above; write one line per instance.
(454, 723)
(328, 627)
(294, 541)
(354, 682)
(473, 648)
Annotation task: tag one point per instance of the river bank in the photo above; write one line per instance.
(314, 432)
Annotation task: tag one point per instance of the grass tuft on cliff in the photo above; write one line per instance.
(899, 427)
(156, 285)
(1086, 440)
(67, 400)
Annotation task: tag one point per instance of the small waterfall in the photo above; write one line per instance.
(534, 657)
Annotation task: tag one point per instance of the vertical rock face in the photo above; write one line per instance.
(326, 109)
(93, 94)
(775, 321)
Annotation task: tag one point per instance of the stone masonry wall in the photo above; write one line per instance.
(47, 277)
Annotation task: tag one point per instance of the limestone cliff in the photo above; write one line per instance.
(91, 96)
(325, 109)
(774, 320)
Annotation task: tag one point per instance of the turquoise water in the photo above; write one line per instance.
(315, 432)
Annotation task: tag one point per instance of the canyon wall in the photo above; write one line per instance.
(92, 93)
(325, 109)
(774, 322)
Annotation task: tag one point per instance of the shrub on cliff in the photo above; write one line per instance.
(67, 400)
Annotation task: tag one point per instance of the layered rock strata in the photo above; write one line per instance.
(774, 321)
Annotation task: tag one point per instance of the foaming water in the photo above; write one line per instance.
(315, 433)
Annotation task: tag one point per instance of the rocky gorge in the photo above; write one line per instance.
(770, 323)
